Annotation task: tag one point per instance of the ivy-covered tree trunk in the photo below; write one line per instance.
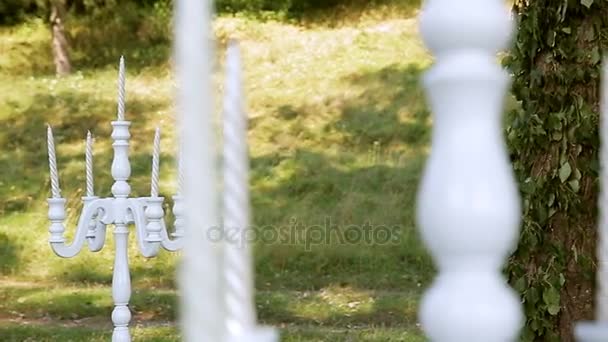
(61, 56)
(554, 142)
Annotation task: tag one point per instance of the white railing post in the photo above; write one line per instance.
(468, 205)
(200, 278)
(598, 331)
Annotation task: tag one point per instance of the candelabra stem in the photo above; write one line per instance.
(121, 286)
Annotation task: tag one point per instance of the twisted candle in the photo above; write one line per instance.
(89, 165)
(602, 246)
(155, 163)
(238, 270)
(55, 191)
(121, 89)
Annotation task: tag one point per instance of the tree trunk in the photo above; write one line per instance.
(61, 57)
(554, 143)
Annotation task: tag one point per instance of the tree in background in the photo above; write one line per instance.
(554, 143)
(61, 57)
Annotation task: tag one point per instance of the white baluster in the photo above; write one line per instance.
(598, 331)
(200, 277)
(468, 206)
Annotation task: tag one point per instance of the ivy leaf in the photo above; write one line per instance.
(553, 309)
(551, 297)
(595, 56)
(575, 185)
(532, 295)
(551, 199)
(564, 172)
(587, 3)
(520, 285)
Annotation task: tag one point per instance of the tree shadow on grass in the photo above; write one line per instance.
(318, 191)
(9, 255)
(389, 109)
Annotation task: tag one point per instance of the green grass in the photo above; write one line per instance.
(339, 131)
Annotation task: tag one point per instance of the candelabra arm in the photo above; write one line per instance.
(98, 240)
(169, 244)
(165, 241)
(96, 235)
(89, 210)
(137, 207)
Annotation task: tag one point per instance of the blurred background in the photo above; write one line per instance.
(338, 133)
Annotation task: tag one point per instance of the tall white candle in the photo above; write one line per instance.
(155, 164)
(89, 165)
(602, 255)
(240, 311)
(121, 89)
(55, 191)
(200, 278)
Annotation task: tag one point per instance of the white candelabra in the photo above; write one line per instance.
(598, 331)
(146, 213)
(468, 206)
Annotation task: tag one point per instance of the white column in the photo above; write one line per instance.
(468, 205)
(598, 331)
(202, 304)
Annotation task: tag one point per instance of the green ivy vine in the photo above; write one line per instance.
(553, 141)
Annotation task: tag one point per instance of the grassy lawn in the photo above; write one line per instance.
(339, 132)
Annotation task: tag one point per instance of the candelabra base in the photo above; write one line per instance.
(591, 332)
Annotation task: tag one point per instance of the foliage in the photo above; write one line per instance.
(12, 11)
(15, 11)
(554, 144)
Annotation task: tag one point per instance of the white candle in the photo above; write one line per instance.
(602, 269)
(121, 89)
(55, 191)
(89, 165)
(202, 305)
(155, 164)
(240, 311)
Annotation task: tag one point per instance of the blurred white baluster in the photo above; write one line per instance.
(468, 206)
(598, 331)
